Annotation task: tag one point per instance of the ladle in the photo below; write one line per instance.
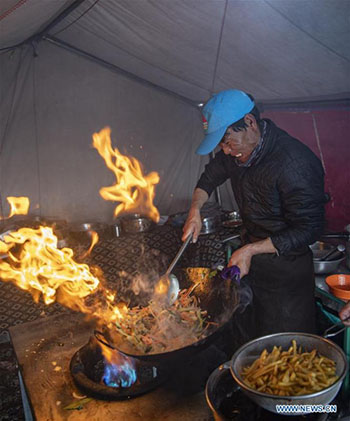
(168, 285)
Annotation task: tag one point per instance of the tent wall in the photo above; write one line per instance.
(326, 132)
(50, 108)
(53, 103)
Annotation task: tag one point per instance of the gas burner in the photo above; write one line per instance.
(88, 365)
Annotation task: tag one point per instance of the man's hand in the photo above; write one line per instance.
(344, 313)
(193, 225)
(243, 256)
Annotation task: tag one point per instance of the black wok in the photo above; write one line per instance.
(217, 296)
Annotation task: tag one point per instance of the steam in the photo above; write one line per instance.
(245, 294)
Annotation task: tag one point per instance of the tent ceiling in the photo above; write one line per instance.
(20, 19)
(279, 50)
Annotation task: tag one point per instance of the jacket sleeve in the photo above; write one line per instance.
(215, 173)
(301, 189)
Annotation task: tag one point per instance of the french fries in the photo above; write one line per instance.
(290, 373)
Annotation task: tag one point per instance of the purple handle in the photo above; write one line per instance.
(232, 272)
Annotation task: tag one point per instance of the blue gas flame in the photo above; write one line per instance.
(119, 375)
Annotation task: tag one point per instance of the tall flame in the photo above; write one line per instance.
(132, 189)
(18, 205)
(32, 260)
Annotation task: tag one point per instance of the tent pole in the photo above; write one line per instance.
(115, 68)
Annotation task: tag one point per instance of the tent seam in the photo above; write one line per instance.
(12, 9)
(36, 134)
(218, 49)
(305, 32)
(76, 20)
(139, 59)
(75, 50)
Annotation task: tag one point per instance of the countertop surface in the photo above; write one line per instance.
(44, 349)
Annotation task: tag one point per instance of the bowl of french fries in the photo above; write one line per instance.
(289, 368)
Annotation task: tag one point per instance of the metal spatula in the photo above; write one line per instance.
(167, 288)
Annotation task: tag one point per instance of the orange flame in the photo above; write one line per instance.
(132, 189)
(34, 263)
(18, 205)
(94, 241)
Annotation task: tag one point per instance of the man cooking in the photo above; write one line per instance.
(278, 183)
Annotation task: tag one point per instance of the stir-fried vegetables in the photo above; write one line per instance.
(156, 328)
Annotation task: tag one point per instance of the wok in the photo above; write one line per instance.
(217, 296)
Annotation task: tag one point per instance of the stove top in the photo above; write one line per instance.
(44, 349)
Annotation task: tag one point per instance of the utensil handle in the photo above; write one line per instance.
(328, 332)
(179, 254)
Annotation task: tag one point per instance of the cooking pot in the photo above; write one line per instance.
(219, 388)
(135, 222)
(210, 224)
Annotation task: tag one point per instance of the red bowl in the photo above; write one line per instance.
(339, 285)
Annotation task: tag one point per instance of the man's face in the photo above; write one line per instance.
(237, 144)
(241, 144)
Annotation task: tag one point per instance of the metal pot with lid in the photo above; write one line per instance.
(134, 222)
(210, 224)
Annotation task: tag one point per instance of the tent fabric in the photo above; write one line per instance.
(276, 49)
(48, 115)
(272, 48)
(52, 99)
(20, 19)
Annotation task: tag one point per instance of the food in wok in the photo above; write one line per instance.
(149, 330)
(290, 373)
(156, 328)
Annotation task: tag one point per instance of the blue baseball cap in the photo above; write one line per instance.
(222, 110)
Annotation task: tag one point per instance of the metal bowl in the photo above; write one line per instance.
(210, 224)
(326, 266)
(135, 222)
(319, 249)
(83, 231)
(252, 350)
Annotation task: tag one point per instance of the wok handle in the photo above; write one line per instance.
(232, 273)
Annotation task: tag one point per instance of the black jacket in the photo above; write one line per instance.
(280, 196)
